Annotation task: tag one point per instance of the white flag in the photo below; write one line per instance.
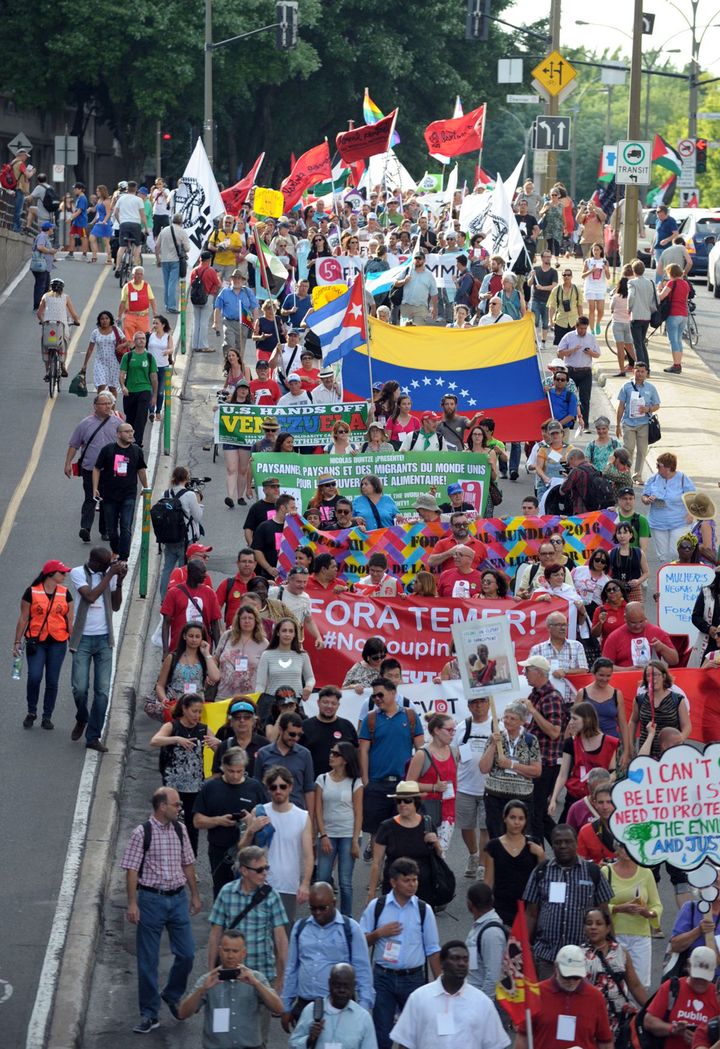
(511, 184)
(198, 200)
(502, 233)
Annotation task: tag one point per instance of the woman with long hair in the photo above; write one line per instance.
(402, 421)
(181, 742)
(628, 564)
(319, 248)
(386, 402)
(706, 620)
(338, 818)
(189, 668)
(658, 703)
(610, 968)
(102, 229)
(677, 291)
(160, 346)
(609, 704)
(586, 748)
(284, 443)
(237, 457)
(325, 499)
(268, 331)
(104, 342)
(620, 312)
(406, 835)
(434, 769)
(510, 859)
(611, 612)
(238, 652)
(596, 274)
(478, 442)
(590, 578)
(340, 441)
(424, 585)
(284, 663)
(493, 585)
(234, 371)
(44, 625)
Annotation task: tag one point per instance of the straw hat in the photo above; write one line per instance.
(699, 505)
(406, 788)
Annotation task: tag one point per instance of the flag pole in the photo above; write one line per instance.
(332, 180)
(528, 1028)
(265, 280)
(361, 277)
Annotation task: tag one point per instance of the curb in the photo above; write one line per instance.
(67, 1021)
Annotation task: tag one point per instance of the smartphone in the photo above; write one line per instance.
(228, 974)
(238, 816)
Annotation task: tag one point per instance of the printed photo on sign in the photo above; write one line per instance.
(485, 656)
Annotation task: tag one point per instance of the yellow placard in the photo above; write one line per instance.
(215, 715)
(325, 293)
(554, 73)
(269, 202)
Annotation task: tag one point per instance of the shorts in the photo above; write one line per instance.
(540, 312)
(377, 806)
(470, 811)
(130, 231)
(621, 332)
(78, 231)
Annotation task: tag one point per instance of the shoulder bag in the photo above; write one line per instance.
(656, 317)
(666, 304)
(441, 882)
(181, 254)
(77, 466)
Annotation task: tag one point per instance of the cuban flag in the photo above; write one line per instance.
(340, 325)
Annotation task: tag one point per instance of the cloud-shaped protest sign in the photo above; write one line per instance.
(668, 810)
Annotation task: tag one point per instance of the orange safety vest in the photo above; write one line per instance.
(56, 626)
(140, 304)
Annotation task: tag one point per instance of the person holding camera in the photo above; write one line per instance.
(233, 997)
(335, 1019)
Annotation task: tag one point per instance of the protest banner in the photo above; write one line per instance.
(308, 169)
(406, 474)
(458, 135)
(268, 202)
(668, 810)
(417, 631)
(309, 424)
(678, 587)
(445, 697)
(338, 269)
(365, 141)
(510, 541)
(485, 656)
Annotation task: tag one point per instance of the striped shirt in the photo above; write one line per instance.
(570, 657)
(563, 896)
(257, 926)
(549, 703)
(504, 782)
(164, 860)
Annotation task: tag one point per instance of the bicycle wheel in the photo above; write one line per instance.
(610, 341)
(54, 372)
(691, 333)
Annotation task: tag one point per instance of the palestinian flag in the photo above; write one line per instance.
(666, 157)
(604, 196)
(483, 179)
(341, 173)
(246, 318)
(662, 194)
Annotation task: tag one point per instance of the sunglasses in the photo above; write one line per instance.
(405, 801)
(342, 510)
(279, 786)
(329, 484)
(377, 695)
(612, 589)
(293, 735)
(259, 870)
(380, 655)
(335, 754)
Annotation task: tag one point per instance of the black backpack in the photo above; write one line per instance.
(51, 201)
(198, 291)
(600, 491)
(147, 839)
(168, 519)
(639, 1035)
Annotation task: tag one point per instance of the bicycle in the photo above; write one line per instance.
(128, 261)
(52, 343)
(691, 333)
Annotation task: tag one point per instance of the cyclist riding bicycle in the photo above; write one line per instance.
(56, 307)
(129, 212)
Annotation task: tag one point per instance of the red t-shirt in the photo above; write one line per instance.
(179, 575)
(211, 280)
(309, 379)
(480, 550)
(314, 586)
(230, 594)
(591, 847)
(267, 392)
(466, 584)
(615, 618)
(181, 610)
(618, 645)
(586, 1005)
(690, 1006)
(679, 297)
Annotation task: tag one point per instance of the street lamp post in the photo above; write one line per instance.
(633, 126)
(696, 43)
(208, 129)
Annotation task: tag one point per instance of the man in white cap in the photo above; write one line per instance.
(573, 1013)
(328, 392)
(297, 395)
(695, 1003)
(547, 382)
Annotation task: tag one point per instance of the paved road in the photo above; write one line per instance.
(41, 770)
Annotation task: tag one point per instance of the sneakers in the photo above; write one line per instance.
(77, 732)
(146, 1025)
(29, 720)
(172, 1006)
(472, 865)
(84, 534)
(47, 723)
(675, 369)
(514, 475)
(95, 744)
(368, 853)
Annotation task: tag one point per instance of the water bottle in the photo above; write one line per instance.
(17, 667)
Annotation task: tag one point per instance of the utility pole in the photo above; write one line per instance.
(633, 132)
(553, 104)
(208, 85)
(158, 149)
(694, 73)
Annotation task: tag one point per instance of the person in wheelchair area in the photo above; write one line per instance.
(56, 306)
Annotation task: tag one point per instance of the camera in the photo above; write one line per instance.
(228, 974)
(195, 483)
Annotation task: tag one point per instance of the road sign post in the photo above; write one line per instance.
(145, 543)
(21, 141)
(167, 411)
(632, 165)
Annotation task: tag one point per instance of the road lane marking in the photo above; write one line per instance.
(44, 425)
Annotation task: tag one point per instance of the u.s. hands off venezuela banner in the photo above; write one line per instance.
(510, 542)
(309, 424)
(493, 369)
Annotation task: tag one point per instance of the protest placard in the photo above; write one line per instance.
(405, 475)
(309, 424)
(485, 656)
(678, 587)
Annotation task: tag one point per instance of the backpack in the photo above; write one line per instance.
(640, 1038)
(198, 291)
(147, 838)
(51, 201)
(7, 177)
(168, 519)
(474, 296)
(491, 925)
(411, 716)
(600, 492)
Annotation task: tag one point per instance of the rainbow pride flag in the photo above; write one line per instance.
(372, 115)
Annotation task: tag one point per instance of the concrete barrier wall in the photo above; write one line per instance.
(15, 250)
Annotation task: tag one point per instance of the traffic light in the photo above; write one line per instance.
(167, 137)
(477, 22)
(286, 32)
(701, 156)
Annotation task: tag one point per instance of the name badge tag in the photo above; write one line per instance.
(133, 296)
(221, 1021)
(241, 663)
(558, 891)
(565, 1031)
(391, 954)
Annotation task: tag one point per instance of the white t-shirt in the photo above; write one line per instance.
(96, 622)
(470, 779)
(130, 208)
(337, 805)
(298, 604)
(285, 851)
(292, 398)
(157, 346)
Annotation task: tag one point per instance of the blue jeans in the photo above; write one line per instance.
(657, 252)
(325, 861)
(118, 522)
(48, 659)
(391, 992)
(17, 214)
(540, 313)
(201, 322)
(513, 462)
(93, 650)
(674, 327)
(174, 557)
(171, 278)
(156, 914)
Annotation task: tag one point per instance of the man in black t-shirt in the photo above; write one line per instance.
(266, 538)
(264, 508)
(322, 732)
(218, 809)
(543, 279)
(116, 472)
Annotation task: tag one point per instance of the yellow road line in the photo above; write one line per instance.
(44, 425)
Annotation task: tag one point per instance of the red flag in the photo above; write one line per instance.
(366, 141)
(518, 990)
(312, 167)
(234, 197)
(457, 135)
(357, 170)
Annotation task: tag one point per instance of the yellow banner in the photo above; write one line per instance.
(269, 202)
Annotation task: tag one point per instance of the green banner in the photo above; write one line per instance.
(310, 424)
(405, 475)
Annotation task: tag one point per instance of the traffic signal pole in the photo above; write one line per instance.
(630, 224)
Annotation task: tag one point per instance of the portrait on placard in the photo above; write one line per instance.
(485, 656)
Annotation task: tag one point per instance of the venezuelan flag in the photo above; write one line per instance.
(371, 115)
(492, 369)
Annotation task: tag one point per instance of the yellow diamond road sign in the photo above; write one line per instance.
(554, 73)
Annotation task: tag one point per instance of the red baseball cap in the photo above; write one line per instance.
(197, 548)
(429, 415)
(54, 566)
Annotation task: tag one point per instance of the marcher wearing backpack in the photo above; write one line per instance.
(486, 941)
(205, 284)
(585, 486)
(679, 1005)
(176, 519)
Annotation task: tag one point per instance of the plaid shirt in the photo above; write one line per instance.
(563, 921)
(164, 860)
(570, 657)
(257, 926)
(548, 702)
